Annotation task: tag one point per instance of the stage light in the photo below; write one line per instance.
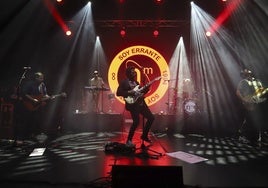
(68, 32)
(158, 1)
(208, 33)
(123, 32)
(156, 33)
(59, 1)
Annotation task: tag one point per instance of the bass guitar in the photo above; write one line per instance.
(31, 106)
(139, 92)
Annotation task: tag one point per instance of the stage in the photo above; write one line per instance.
(80, 158)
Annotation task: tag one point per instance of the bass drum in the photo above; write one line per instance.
(190, 106)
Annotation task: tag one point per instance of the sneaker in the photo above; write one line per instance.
(146, 139)
(130, 144)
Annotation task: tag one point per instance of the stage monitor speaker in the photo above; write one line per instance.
(146, 176)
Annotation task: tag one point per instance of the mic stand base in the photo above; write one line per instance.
(144, 152)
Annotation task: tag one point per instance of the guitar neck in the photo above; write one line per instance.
(150, 83)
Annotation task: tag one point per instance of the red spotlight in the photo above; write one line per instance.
(56, 15)
(158, 1)
(156, 33)
(225, 14)
(122, 32)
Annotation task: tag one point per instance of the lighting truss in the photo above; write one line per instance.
(142, 23)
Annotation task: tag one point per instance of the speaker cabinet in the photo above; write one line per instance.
(146, 176)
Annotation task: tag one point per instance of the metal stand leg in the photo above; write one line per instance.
(242, 138)
(145, 149)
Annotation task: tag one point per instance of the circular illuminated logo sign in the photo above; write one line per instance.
(151, 67)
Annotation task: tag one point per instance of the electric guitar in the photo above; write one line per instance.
(138, 92)
(31, 106)
(258, 97)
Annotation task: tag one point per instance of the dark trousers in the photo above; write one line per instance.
(135, 114)
(254, 122)
(27, 123)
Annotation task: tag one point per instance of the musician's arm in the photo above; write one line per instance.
(124, 90)
(29, 97)
(48, 97)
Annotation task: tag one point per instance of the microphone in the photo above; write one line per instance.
(26, 68)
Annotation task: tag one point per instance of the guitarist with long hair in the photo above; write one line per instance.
(136, 106)
(253, 96)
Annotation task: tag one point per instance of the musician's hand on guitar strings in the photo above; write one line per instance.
(35, 101)
(132, 92)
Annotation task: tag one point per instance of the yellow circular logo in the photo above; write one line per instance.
(151, 67)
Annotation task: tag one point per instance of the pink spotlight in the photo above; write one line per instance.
(122, 32)
(156, 33)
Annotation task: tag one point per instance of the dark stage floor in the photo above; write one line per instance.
(86, 159)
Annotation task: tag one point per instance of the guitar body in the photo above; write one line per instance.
(259, 96)
(31, 106)
(133, 99)
(139, 92)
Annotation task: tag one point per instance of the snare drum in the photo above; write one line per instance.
(190, 106)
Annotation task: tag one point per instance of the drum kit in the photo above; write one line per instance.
(190, 106)
(184, 103)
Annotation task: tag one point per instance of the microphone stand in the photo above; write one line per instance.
(144, 149)
(19, 84)
(17, 99)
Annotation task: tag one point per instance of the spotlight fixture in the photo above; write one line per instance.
(158, 1)
(208, 33)
(155, 33)
(68, 32)
(123, 32)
